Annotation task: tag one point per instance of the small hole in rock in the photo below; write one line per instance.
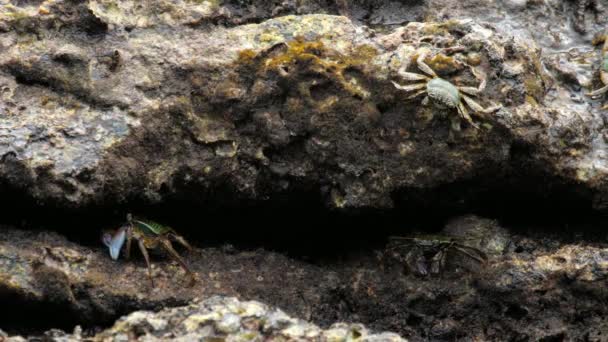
(516, 312)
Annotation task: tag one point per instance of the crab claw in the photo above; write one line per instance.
(115, 241)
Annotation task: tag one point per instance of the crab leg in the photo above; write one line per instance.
(465, 115)
(144, 251)
(482, 84)
(415, 261)
(603, 67)
(482, 79)
(598, 91)
(412, 76)
(129, 240)
(181, 240)
(438, 260)
(169, 248)
(469, 90)
(423, 66)
(481, 258)
(416, 94)
(410, 87)
(478, 108)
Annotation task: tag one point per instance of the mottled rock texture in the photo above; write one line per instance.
(123, 104)
(225, 319)
(105, 102)
(531, 287)
(231, 319)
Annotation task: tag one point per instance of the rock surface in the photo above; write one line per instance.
(223, 318)
(106, 106)
(532, 286)
(105, 102)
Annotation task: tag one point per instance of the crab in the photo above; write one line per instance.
(149, 235)
(427, 254)
(443, 93)
(603, 68)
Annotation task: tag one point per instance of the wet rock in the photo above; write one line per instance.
(524, 277)
(294, 102)
(110, 103)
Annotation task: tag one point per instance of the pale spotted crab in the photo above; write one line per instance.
(149, 235)
(603, 68)
(443, 93)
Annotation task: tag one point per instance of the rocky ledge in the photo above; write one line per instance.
(222, 319)
(534, 286)
(102, 104)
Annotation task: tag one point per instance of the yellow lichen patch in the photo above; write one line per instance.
(297, 51)
(249, 336)
(43, 10)
(316, 57)
(247, 56)
(599, 39)
(111, 7)
(443, 64)
(534, 87)
(531, 100)
(474, 58)
(441, 28)
(362, 54)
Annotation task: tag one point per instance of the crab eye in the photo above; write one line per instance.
(107, 239)
(114, 242)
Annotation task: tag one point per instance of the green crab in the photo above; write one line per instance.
(603, 68)
(443, 93)
(427, 254)
(149, 235)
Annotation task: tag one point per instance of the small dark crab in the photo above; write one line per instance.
(427, 254)
(443, 93)
(149, 235)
